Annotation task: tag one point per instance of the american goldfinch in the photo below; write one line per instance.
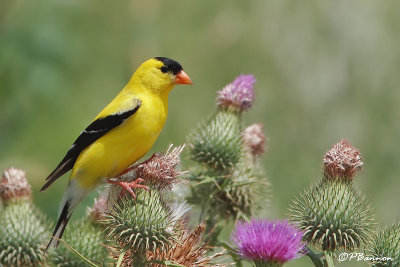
(121, 134)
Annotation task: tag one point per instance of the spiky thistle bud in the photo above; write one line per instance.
(342, 161)
(14, 185)
(24, 229)
(86, 238)
(238, 95)
(384, 248)
(237, 197)
(162, 171)
(24, 233)
(267, 242)
(333, 216)
(233, 196)
(254, 139)
(217, 142)
(140, 225)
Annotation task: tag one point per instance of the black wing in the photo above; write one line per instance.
(94, 131)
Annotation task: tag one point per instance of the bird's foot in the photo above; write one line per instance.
(129, 185)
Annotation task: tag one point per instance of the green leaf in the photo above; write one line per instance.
(120, 258)
(232, 253)
(77, 253)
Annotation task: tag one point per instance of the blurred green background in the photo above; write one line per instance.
(325, 70)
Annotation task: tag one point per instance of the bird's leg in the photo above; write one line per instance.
(129, 185)
(151, 158)
(126, 171)
(134, 184)
(134, 166)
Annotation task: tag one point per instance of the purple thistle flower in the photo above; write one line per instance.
(239, 94)
(268, 241)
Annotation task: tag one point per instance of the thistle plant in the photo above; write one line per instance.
(267, 242)
(217, 142)
(227, 172)
(24, 229)
(97, 212)
(342, 162)
(238, 95)
(333, 217)
(332, 213)
(187, 249)
(228, 185)
(84, 236)
(254, 140)
(148, 228)
(140, 225)
(384, 247)
(14, 186)
(162, 171)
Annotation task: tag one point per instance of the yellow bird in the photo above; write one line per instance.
(121, 134)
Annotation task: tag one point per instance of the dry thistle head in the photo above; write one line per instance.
(342, 161)
(100, 207)
(186, 250)
(238, 95)
(162, 171)
(14, 185)
(254, 139)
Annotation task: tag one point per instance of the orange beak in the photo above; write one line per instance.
(182, 78)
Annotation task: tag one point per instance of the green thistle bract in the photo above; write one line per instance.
(237, 196)
(233, 201)
(23, 235)
(85, 237)
(139, 225)
(217, 142)
(233, 196)
(386, 243)
(333, 216)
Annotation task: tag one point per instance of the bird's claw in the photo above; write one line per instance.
(129, 185)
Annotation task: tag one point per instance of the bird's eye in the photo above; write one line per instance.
(164, 69)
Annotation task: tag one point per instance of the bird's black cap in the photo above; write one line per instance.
(170, 65)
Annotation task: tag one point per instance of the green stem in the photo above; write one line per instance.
(121, 258)
(267, 264)
(90, 263)
(329, 259)
(315, 258)
(139, 258)
(203, 210)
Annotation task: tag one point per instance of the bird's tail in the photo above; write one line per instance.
(62, 221)
(72, 196)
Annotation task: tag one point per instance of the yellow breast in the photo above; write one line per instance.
(124, 145)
